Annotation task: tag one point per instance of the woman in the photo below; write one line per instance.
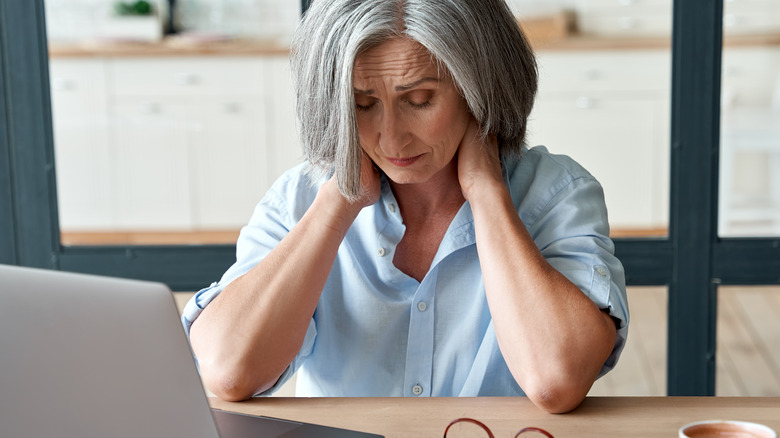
(422, 250)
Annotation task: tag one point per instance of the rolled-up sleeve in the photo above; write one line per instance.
(265, 230)
(571, 229)
(273, 217)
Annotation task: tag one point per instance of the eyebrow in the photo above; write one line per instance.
(402, 87)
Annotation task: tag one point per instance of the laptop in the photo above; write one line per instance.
(89, 356)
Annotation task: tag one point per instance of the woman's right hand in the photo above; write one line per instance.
(370, 186)
(345, 211)
(370, 182)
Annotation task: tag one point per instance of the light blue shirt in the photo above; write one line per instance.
(378, 332)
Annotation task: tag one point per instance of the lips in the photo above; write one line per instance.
(405, 161)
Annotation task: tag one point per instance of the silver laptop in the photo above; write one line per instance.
(88, 356)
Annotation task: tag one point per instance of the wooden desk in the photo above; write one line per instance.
(596, 417)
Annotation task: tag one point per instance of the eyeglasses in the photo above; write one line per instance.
(490, 434)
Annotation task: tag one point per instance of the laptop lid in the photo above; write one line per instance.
(89, 356)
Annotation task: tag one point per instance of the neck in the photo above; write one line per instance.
(441, 195)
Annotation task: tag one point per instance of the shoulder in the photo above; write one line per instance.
(538, 180)
(541, 164)
(293, 192)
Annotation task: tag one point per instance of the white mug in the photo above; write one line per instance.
(723, 428)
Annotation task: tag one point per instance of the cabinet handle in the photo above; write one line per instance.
(63, 84)
(628, 22)
(592, 74)
(585, 102)
(232, 107)
(730, 70)
(150, 108)
(731, 20)
(189, 79)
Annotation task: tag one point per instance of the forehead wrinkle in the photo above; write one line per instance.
(402, 67)
(404, 87)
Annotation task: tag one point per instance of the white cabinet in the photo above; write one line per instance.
(231, 163)
(187, 77)
(624, 17)
(284, 144)
(750, 142)
(194, 129)
(152, 169)
(83, 155)
(750, 77)
(185, 143)
(643, 18)
(609, 110)
(743, 17)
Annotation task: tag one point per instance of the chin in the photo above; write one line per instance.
(418, 173)
(404, 179)
(406, 176)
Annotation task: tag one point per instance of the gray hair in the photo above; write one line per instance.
(478, 42)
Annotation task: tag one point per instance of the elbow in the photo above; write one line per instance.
(234, 384)
(559, 393)
(557, 399)
(228, 386)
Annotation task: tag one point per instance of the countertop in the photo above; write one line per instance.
(169, 47)
(242, 47)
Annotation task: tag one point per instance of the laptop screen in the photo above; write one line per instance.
(89, 356)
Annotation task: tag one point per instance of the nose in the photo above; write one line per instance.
(393, 133)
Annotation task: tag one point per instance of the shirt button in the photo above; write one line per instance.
(391, 207)
(421, 306)
(380, 252)
(417, 390)
(601, 271)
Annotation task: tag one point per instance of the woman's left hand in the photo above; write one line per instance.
(479, 165)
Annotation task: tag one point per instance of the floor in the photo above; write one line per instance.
(748, 346)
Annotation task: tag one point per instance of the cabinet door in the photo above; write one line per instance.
(229, 162)
(81, 144)
(284, 145)
(187, 77)
(152, 166)
(750, 77)
(621, 142)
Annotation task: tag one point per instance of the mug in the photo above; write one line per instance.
(722, 428)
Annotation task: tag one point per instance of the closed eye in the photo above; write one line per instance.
(420, 105)
(361, 108)
(419, 99)
(364, 103)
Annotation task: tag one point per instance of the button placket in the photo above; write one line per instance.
(419, 362)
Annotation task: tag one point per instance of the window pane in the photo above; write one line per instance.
(168, 139)
(748, 345)
(641, 370)
(750, 126)
(604, 100)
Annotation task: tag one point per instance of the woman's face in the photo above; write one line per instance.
(410, 115)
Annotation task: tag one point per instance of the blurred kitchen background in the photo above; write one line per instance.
(169, 128)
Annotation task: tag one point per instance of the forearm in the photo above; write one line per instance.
(553, 337)
(248, 335)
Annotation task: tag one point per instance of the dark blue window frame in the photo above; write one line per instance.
(692, 261)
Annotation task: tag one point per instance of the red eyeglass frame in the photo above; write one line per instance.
(490, 433)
